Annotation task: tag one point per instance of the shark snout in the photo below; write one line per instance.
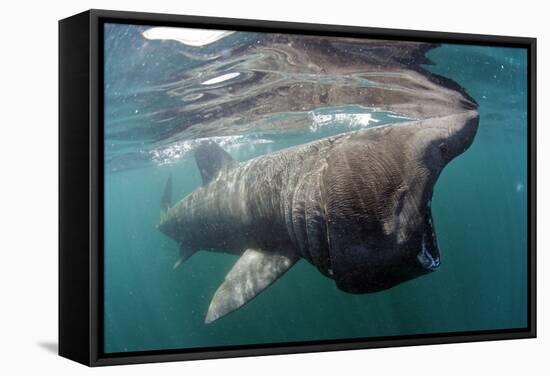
(462, 132)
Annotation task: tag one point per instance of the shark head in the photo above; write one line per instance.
(378, 192)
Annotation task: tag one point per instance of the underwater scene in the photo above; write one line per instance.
(268, 188)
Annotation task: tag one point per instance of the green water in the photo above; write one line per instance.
(479, 208)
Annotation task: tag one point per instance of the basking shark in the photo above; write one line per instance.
(357, 206)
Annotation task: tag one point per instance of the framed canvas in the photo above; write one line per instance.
(239, 187)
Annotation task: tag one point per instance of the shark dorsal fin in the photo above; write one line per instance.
(211, 158)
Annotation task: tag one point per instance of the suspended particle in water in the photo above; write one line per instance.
(520, 187)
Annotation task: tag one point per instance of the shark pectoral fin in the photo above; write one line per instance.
(211, 158)
(185, 253)
(166, 199)
(252, 273)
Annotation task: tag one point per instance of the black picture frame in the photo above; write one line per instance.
(81, 182)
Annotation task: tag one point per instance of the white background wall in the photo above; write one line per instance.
(28, 185)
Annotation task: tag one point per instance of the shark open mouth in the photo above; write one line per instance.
(428, 256)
